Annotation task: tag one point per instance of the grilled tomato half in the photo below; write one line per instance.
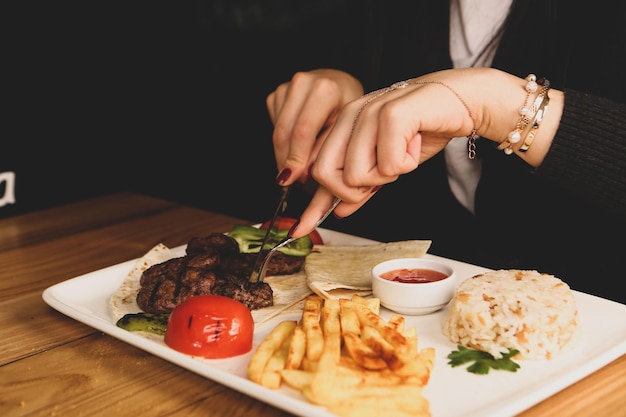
(210, 326)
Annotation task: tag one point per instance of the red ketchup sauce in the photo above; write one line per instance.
(414, 275)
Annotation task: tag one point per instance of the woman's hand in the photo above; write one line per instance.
(387, 133)
(303, 111)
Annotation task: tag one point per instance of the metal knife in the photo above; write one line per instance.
(258, 274)
(280, 209)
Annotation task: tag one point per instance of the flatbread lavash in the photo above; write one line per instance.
(529, 311)
(342, 271)
(124, 300)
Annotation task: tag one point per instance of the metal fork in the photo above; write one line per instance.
(259, 274)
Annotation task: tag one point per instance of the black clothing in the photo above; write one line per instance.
(557, 219)
(110, 97)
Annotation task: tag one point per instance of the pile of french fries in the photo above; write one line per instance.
(344, 356)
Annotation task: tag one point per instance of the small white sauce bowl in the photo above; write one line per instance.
(413, 299)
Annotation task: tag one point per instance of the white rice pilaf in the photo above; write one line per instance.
(529, 311)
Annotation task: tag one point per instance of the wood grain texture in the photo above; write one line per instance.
(51, 365)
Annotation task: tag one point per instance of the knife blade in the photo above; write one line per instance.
(280, 209)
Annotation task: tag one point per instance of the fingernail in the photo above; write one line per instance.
(283, 176)
(376, 188)
(293, 228)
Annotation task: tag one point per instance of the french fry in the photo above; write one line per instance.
(397, 322)
(344, 356)
(351, 331)
(271, 377)
(324, 377)
(371, 303)
(374, 340)
(355, 374)
(361, 353)
(425, 364)
(411, 336)
(266, 349)
(403, 394)
(297, 349)
(389, 333)
(311, 326)
(310, 366)
(348, 318)
(296, 378)
(357, 409)
(398, 403)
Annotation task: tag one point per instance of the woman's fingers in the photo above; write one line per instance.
(347, 164)
(387, 134)
(314, 114)
(384, 131)
(288, 108)
(303, 111)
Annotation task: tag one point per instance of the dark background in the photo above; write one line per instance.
(165, 98)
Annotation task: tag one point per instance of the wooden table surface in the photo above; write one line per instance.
(52, 365)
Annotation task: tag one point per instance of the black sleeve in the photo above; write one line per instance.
(588, 154)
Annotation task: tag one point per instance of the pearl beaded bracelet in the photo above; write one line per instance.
(528, 115)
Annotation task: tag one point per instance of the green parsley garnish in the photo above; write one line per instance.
(483, 361)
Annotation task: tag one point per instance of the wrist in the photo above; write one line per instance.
(515, 115)
(500, 111)
(530, 116)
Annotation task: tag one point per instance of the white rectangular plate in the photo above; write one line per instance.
(452, 392)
